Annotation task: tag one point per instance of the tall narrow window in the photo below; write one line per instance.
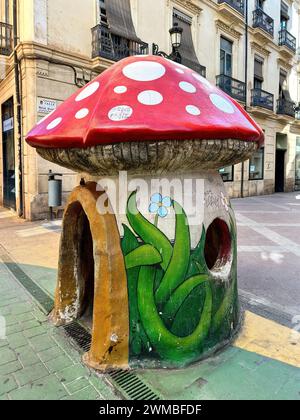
(256, 165)
(258, 73)
(226, 57)
(7, 15)
(284, 16)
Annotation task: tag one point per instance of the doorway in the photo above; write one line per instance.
(8, 153)
(280, 170)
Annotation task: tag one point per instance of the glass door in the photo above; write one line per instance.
(8, 153)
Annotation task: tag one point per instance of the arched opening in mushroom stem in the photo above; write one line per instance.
(85, 267)
(78, 267)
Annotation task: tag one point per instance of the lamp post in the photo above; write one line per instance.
(176, 39)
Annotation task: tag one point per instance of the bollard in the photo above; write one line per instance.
(54, 192)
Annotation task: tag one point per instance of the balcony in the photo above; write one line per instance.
(6, 39)
(262, 21)
(238, 5)
(233, 87)
(262, 99)
(285, 107)
(286, 39)
(232, 10)
(113, 47)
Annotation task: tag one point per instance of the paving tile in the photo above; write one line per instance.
(58, 364)
(7, 384)
(72, 373)
(33, 332)
(3, 343)
(88, 393)
(77, 385)
(48, 388)
(27, 356)
(21, 308)
(31, 374)
(17, 340)
(10, 367)
(42, 342)
(50, 354)
(7, 356)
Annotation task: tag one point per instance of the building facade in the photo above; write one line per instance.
(48, 49)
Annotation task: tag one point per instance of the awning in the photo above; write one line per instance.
(258, 68)
(120, 19)
(187, 49)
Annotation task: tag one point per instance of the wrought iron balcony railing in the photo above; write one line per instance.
(287, 39)
(262, 99)
(113, 47)
(233, 87)
(6, 39)
(285, 107)
(263, 21)
(238, 5)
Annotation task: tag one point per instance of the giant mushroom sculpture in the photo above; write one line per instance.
(162, 279)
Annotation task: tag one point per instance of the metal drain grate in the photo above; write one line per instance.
(39, 295)
(133, 386)
(80, 335)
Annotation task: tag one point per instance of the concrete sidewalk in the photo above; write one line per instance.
(37, 361)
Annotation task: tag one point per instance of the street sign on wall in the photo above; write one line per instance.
(45, 106)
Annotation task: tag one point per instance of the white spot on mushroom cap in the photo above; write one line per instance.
(150, 97)
(179, 71)
(193, 110)
(144, 71)
(84, 112)
(54, 123)
(120, 113)
(221, 103)
(187, 87)
(88, 91)
(120, 89)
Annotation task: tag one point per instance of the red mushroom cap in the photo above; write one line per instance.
(145, 98)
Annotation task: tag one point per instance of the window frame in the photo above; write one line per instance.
(232, 172)
(262, 177)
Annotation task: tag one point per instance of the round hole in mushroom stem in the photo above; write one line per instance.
(150, 97)
(187, 87)
(217, 250)
(87, 91)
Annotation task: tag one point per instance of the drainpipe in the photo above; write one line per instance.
(246, 81)
(19, 110)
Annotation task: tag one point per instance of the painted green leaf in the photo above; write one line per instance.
(166, 344)
(177, 269)
(177, 299)
(149, 233)
(144, 255)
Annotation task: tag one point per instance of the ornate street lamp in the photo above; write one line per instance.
(176, 39)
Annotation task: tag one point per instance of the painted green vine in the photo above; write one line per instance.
(177, 311)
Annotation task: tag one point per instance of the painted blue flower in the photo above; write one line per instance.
(160, 205)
